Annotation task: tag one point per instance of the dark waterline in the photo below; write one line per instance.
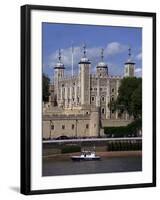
(106, 165)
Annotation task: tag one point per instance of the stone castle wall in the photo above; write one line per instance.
(86, 125)
(79, 105)
(70, 126)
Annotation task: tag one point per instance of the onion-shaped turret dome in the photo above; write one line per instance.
(102, 64)
(59, 64)
(84, 59)
(129, 60)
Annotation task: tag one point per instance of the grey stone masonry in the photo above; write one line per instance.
(79, 105)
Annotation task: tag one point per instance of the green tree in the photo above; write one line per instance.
(136, 103)
(112, 105)
(130, 96)
(46, 82)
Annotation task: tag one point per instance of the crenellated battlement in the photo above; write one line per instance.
(79, 104)
(93, 75)
(68, 77)
(115, 77)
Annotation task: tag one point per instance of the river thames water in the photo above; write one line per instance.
(105, 165)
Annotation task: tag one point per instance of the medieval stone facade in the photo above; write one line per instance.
(79, 105)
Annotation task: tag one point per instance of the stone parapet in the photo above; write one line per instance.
(114, 122)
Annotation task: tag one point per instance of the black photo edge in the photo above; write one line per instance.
(25, 129)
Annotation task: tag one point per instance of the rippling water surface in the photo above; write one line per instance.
(105, 165)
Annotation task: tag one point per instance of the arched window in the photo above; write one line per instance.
(112, 98)
(103, 98)
(63, 126)
(92, 98)
(103, 111)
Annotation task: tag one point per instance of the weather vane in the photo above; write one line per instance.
(102, 52)
(59, 55)
(84, 49)
(129, 51)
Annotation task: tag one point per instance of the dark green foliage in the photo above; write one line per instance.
(112, 105)
(70, 149)
(46, 93)
(124, 146)
(136, 103)
(124, 131)
(130, 97)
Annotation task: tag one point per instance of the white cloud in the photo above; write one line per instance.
(115, 48)
(93, 54)
(139, 56)
(66, 56)
(138, 72)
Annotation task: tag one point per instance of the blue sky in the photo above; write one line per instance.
(114, 40)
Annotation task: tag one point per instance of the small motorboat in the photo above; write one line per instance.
(86, 156)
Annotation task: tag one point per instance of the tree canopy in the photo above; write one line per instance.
(46, 82)
(130, 96)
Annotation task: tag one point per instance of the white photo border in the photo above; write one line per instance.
(39, 183)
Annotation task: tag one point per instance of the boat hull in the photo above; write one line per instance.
(76, 158)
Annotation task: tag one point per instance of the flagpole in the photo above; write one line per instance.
(72, 58)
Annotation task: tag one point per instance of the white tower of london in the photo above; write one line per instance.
(129, 66)
(80, 105)
(84, 73)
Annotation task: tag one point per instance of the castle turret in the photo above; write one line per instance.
(94, 122)
(129, 66)
(102, 69)
(84, 66)
(59, 68)
(58, 74)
